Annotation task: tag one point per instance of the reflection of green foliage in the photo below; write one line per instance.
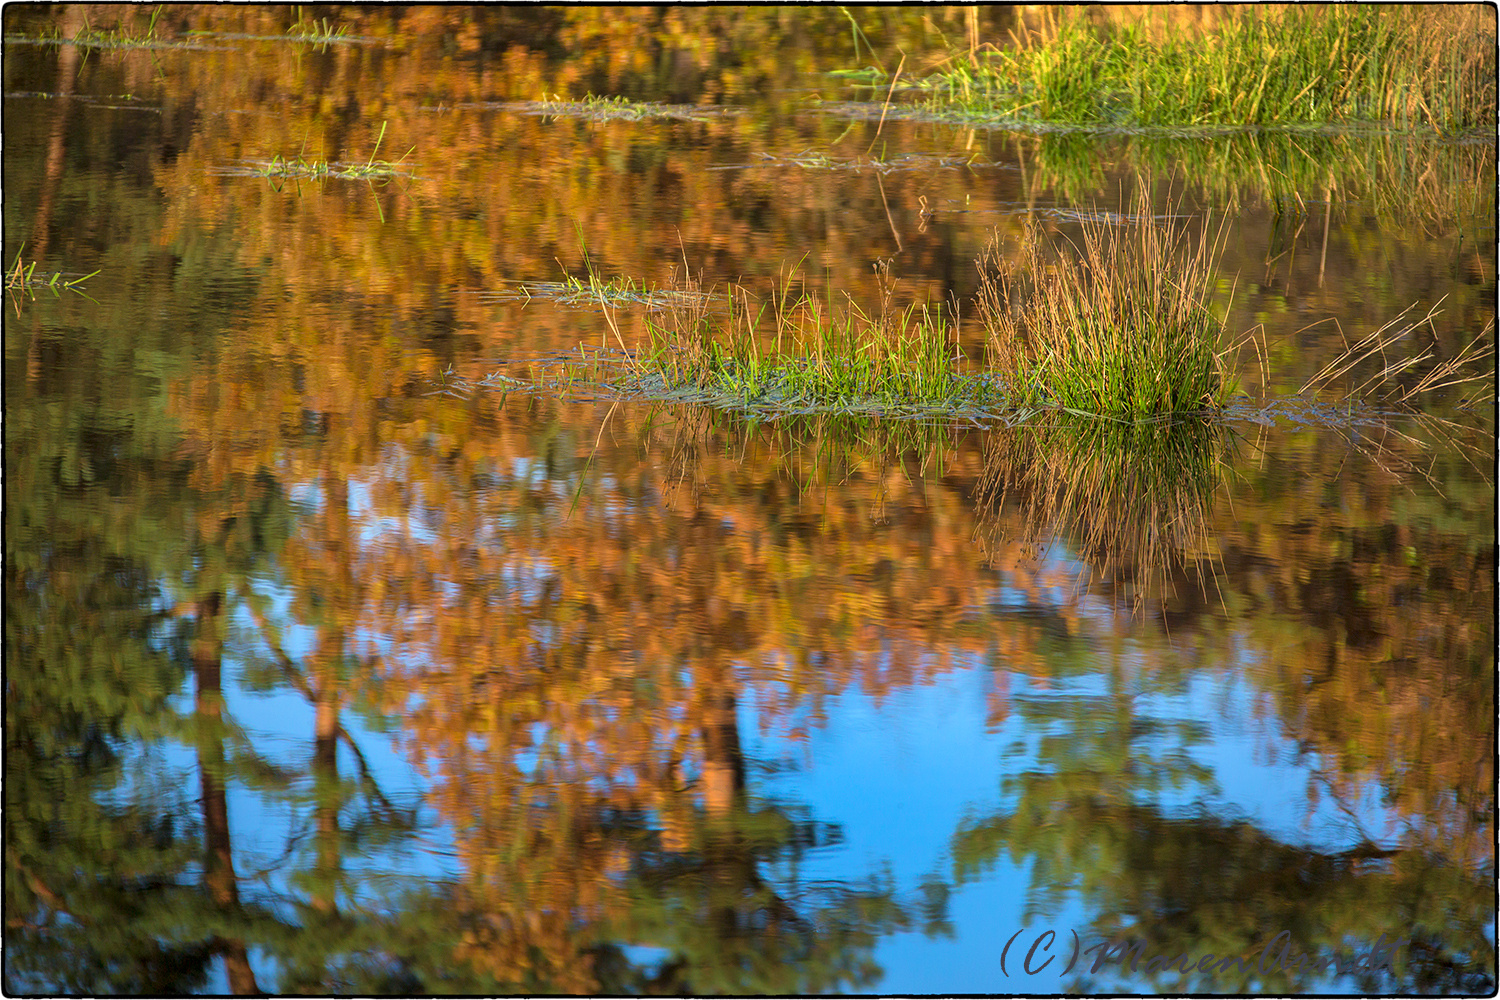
(1082, 819)
(1202, 886)
(102, 852)
(1407, 177)
(97, 888)
(1196, 885)
(731, 931)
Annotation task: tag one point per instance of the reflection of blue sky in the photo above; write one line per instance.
(898, 776)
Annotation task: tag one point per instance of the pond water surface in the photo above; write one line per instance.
(320, 676)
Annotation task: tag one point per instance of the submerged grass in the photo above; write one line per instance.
(615, 293)
(1411, 66)
(22, 278)
(812, 160)
(602, 109)
(281, 168)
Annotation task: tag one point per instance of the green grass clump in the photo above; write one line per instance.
(1410, 66)
(1120, 328)
(820, 357)
(117, 38)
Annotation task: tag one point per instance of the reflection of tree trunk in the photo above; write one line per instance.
(67, 73)
(730, 872)
(338, 552)
(326, 783)
(723, 765)
(218, 869)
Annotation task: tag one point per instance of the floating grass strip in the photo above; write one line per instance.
(1409, 66)
(602, 109)
(899, 362)
(280, 167)
(1120, 329)
(615, 293)
(809, 160)
(89, 37)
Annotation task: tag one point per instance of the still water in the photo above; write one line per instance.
(322, 678)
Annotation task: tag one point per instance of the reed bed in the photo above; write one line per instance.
(1410, 66)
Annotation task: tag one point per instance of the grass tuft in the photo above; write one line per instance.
(1120, 328)
(318, 32)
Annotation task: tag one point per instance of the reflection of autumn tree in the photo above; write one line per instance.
(565, 661)
(1377, 626)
